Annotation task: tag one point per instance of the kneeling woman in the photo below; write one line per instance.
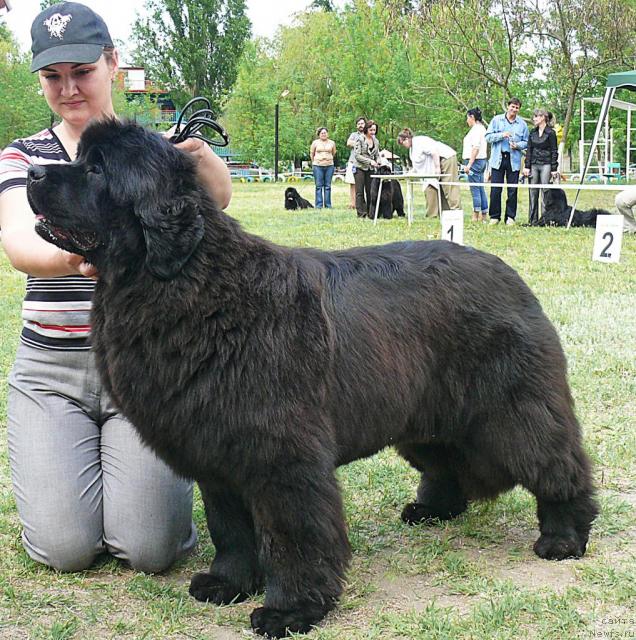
(84, 483)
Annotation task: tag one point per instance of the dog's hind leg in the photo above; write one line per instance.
(538, 443)
(235, 573)
(439, 495)
(561, 479)
(304, 548)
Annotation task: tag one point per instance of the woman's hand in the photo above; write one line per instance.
(195, 147)
(211, 170)
(526, 172)
(79, 264)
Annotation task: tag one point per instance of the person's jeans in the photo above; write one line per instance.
(506, 172)
(363, 191)
(322, 177)
(539, 174)
(480, 199)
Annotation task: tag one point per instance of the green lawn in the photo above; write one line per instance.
(476, 577)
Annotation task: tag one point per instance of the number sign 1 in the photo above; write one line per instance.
(453, 226)
(608, 238)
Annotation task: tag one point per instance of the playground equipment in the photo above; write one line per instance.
(623, 80)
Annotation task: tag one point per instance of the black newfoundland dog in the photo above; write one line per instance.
(391, 198)
(257, 369)
(556, 212)
(293, 200)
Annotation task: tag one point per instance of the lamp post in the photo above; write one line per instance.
(282, 95)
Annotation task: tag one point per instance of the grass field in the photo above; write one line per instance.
(475, 577)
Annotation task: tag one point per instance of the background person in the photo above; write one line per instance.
(507, 135)
(82, 479)
(322, 153)
(366, 152)
(625, 203)
(349, 173)
(431, 157)
(475, 155)
(542, 159)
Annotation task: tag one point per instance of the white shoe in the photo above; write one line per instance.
(510, 222)
(493, 221)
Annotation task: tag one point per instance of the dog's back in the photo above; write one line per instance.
(556, 212)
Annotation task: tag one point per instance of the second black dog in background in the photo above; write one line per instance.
(391, 198)
(556, 212)
(293, 200)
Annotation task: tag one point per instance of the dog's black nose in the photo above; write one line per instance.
(36, 172)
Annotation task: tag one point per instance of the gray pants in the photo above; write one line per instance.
(83, 482)
(539, 174)
(625, 202)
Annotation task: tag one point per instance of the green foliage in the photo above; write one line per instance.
(422, 64)
(192, 47)
(335, 66)
(23, 111)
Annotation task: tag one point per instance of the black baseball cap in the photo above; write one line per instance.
(68, 32)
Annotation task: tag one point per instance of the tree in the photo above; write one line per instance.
(24, 111)
(192, 46)
(323, 5)
(580, 42)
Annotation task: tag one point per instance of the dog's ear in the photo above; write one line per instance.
(172, 231)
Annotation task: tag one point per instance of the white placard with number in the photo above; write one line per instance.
(453, 226)
(608, 238)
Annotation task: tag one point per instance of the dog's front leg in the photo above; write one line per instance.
(303, 547)
(235, 573)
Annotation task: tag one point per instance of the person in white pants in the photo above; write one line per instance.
(625, 202)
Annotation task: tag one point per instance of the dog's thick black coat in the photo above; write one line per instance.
(257, 369)
(556, 212)
(293, 200)
(391, 198)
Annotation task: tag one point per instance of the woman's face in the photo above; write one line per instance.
(538, 120)
(79, 92)
(324, 134)
(373, 129)
(470, 120)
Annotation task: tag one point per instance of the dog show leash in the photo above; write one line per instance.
(194, 120)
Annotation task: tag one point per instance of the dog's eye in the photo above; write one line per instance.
(94, 169)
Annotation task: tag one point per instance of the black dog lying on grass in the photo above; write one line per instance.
(556, 212)
(391, 198)
(293, 200)
(258, 369)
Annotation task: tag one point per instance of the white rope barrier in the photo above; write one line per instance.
(520, 185)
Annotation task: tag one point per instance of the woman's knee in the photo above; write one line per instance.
(63, 553)
(147, 556)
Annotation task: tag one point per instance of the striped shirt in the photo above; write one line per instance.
(55, 311)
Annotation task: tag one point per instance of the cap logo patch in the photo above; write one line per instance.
(56, 24)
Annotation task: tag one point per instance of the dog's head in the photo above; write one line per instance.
(128, 199)
(555, 200)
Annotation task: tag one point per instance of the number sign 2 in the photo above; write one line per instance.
(608, 239)
(453, 226)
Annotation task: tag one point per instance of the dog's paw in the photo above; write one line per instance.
(279, 623)
(419, 513)
(208, 588)
(560, 547)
